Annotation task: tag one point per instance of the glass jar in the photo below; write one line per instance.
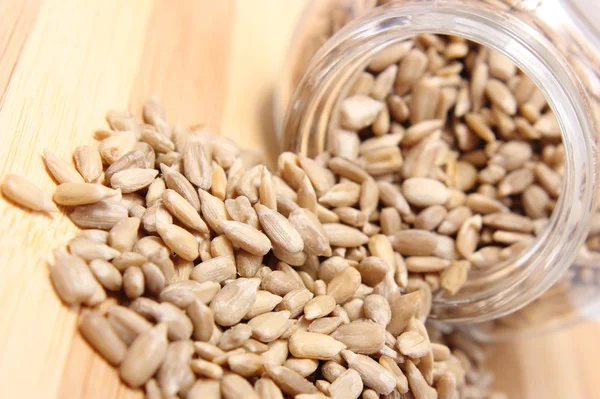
(549, 41)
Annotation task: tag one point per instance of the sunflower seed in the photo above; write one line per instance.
(279, 230)
(217, 269)
(234, 301)
(179, 241)
(372, 373)
(144, 356)
(97, 331)
(21, 191)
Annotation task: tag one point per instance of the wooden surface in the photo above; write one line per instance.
(63, 63)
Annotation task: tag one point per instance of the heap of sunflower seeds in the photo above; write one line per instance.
(201, 274)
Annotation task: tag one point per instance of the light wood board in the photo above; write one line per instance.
(63, 63)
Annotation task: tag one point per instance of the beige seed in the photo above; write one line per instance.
(344, 236)
(197, 165)
(373, 270)
(414, 242)
(380, 246)
(426, 264)
(412, 344)
(390, 195)
(290, 382)
(361, 336)
(304, 344)
(508, 221)
(548, 179)
(515, 182)
(500, 95)
(324, 325)
(144, 356)
(321, 178)
(277, 353)
(468, 236)
(403, 309)
(246, 237)
(417, 382)
(342, 194)
(478, 125)
(267, 389)
(24, 193)
(389, 55)
(235, 387)
(206, 369)
(246, 364)
(133, 159)
(411, 68)
(295, 300)
(183, 293)
(486, 257)
(217, 269)
(154, 279)
(202, 319)
(319, 306)
(98, 332)
(344, 285)
(71, 278)
(348, 169)
(247, 264)
(265, 302)
(510, 237)
(424, 192)
(155, 215)
(429, 218)
(241, 210)
(279, 283)
(234, 301)
(304, 367)
(454, 276)
(177, 182)
(133, 282)
(179, 240)
(133, 179)
(377, 308)
(268, 327)
(88, 162)
(483, 204)
(205, 389)
(279, 230)
(425, 97)
(61, 170)
(175, 373)
(311, 231)
(123, 234)
(183, 211)
(106, 274)
(235, 337)
(390, 364)
(372, 373)
(454, 220)
(535, 201)
(348, 385)
(420, 130)
(126, 323)
(359, 111)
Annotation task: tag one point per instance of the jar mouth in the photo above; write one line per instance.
(541, 264)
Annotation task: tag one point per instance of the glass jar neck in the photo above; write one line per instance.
(310, 121)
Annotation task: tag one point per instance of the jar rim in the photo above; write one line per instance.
(537, 268)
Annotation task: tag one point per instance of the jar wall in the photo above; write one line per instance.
(541, 18)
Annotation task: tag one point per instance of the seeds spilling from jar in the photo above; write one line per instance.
(204, 275)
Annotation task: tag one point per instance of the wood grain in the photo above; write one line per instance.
(63, 63)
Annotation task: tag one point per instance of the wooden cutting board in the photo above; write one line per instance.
(63, 63)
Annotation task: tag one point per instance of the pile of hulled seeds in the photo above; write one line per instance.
(203, 275)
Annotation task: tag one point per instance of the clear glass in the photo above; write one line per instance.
(548, 46)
